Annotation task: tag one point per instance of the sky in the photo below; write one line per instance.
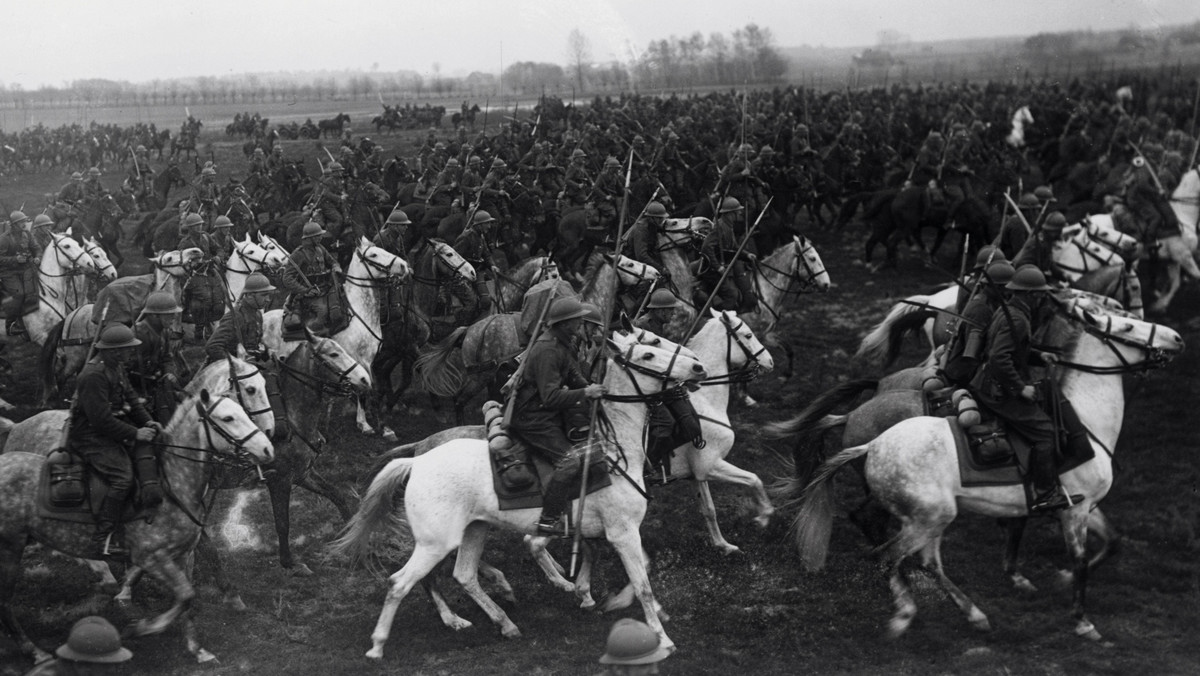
(56, 41)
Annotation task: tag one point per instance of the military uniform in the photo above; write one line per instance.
(243, 325)
(154, 373)
(203, 292)
(18, 278)
(319, 305)
(330, 203)
(719, 250)
(204, 196)
(577, 184)
(473, 246)
(610, 190)
(72, 192)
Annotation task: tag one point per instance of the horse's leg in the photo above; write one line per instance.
(210, 558)
(1014, 529)
(624, 598)
(931, 557)
(449, 617)
(360, 417)
(897, 549)
(726, 472)
(709, 511)
(1074, 523)
(10, 574)
(424, 559)
(466, 571)
(626, 539)
(499, 579)
(168, 571)
(315, 483)
(553, 570)
(279, 486)
(188, 619)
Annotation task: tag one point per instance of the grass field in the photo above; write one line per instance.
(753, 612)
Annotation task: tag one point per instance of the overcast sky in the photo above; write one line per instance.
(50, 42)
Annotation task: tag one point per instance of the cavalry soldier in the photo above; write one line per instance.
(1003, 384)
(222, 239)
(609, 192)
(1039, 249)
(632, 648)
(471, 181)
(205, 193)
(258, 164)
(987, 255)
(552, 388)
(92, 648)
(313, 279)
(108, 423)
(719, 250)
(736, 180)
(349, 162)
(242, 325)
(92, 188)
(19, 258)
(329, 198)
(373, 165)
(659, 312)
(929, 159)
(42, 229)
(1146, 200)
(492, 195)
(438, 158)
(141, 176)
(642, 244)
(154, 372)
(275, 162)
(72, 192)
(967, 350)
(203, 292)
(473, 245)
(447, 186)
(1015, 231)
(576, 180)
(392, 237)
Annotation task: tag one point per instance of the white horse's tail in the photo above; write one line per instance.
(881, 346)
(814, 524)
(378, 511)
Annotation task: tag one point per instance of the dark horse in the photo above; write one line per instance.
(467, 115)
(901, 213)
(333, 127)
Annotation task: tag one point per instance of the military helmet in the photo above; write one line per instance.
(745, 148)
(1029, 201)
(638, 140)
(94, 171)
(42, 221)
(592, 315)
(334, 168)
(633, 642)
(730, 205)
(578, 154)
(563, 309)
(1044, 193)
(347, 150)
(1028, 278)
(474, 159)
(439, 146)
(222, 222)
(398, 217)
(192, 220)
(499, 164)
(656, 210)
(257, 282)
(161, 303)
(17, 217)
(117, 336)
(1055, 222)
(1000, 272)
(987, 255)
(259, 151)
(208, 171)
(482, 217)
(767, 150)
(93, 639)
(312, 229)
(662, 299)
(802, 129)
(452, 162)
(277, 149)
(76, 176)
(611, 161)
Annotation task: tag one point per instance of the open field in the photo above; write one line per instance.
(754, 612)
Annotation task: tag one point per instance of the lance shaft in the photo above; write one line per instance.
(728, 267)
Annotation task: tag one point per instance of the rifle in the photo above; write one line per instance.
(519, 374)
(63, 438)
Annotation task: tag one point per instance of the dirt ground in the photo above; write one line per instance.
(753, 612)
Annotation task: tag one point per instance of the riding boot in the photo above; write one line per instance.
(555, 498)
(145, 466)
(15, 327)
(1049, 494)
(107, 541)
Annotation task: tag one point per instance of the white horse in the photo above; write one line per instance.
(62, 284)
(450, 500)
(370, 268)
(249, 257)
(104, 266)
(1020, 118)
(1179, 252)
(912, 468)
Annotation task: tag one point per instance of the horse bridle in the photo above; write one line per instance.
(384, 271)
(750, 370)
(340, 387)
(807, 283)
(235, 385)
(1156, 357)
(239, 452)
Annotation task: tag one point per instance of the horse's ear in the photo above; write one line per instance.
(205, 397)
(308, 334)
(715, 313)
(613, 345)
(626, 323)
(67, 232)
(364, 243)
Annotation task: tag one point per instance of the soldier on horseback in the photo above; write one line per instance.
(19, 257)
(492, 194)
(1038, 250)
(577, 183)
(205, 193)
(719, 250)
(446, 188)
(609, 192)
(313, 279)
(1016, 228)
(72, 192)
(276, 161)
(141, 177)
(474, 246)
(329, 199)
(154, 372)
(43, 226)
(642, 245)
(659, 312)
(967, 350)
(1004, 385)
(258, 164)
(471, 180)
(736, 179)
(109, 428)
(552, 388)
(203, 292)
(1147, 201)
(93, 190)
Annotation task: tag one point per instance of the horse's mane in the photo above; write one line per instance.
(591, 271)
(181, 412)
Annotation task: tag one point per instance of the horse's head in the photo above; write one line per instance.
(450, 262)
(228, 430)
(632, 272)
(807, 267)
(177, 263)
(255, 255)
(339, 368)
(645, 365)
(1125, 343)
(248, 387)
(69, 254)
(268, 243)
(104, 266)
(381, 264)
(751, 352)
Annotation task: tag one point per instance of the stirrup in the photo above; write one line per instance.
(551, 528)
(110, 548)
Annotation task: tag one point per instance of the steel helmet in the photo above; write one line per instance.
(1029, 201)
(746, 148)
(76, 176)
(987, 255)
(656, 210)
(499, 163)
(638, 140)
(1044, 193)
(398, 217)
(116, 336)
(632, 642)
(334, 168)
(730, 205)
(94, 171)
(482, 217)
(474, 159)
(17, 217)
(578, 154)
(452, 162)
(661, 299)
(257, 282)
(259, 151)
(347, 150)
(208, 171)
(611, 161)
(563, 309)
(161, 303)
(277, 149)
(439, 146)
(1055, 222)
(222, 222)
(94, 639)
(141, 149)
(1000, 272)
(1028, 278)
(592, 315)
(767, 150)
(192, 220)
(312, 229)
(42, 221)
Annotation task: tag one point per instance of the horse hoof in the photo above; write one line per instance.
(510, 632)
(375, 653)
(300, 570)
(979, 621)
(203, 656)
(1023, 585)
(367, 430)
(728, 549)
(389, 435)
(1087, 630)
(236, 603)
(458, 624)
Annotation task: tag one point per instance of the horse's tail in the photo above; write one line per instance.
(379, 510)
(434, 371)
(813, 525)
(818, 408)
(882, 345)
(45, 363)
(808, 427)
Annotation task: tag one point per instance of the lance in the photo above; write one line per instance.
(728, 267)
(1153, 172)
(135, 163)
(621, 242)
(577, 542)
(982, 274)
(63, 439)
(486, 101)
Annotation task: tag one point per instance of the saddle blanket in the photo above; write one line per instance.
(531, 498)
(85, 510)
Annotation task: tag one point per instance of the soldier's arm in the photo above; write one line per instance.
(93, 394)
(1001, 346)
(645, 248)
(219, 342)
(554, 393)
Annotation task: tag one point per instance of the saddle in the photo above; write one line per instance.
(69, 491)
(518, 475)
(325, 316)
